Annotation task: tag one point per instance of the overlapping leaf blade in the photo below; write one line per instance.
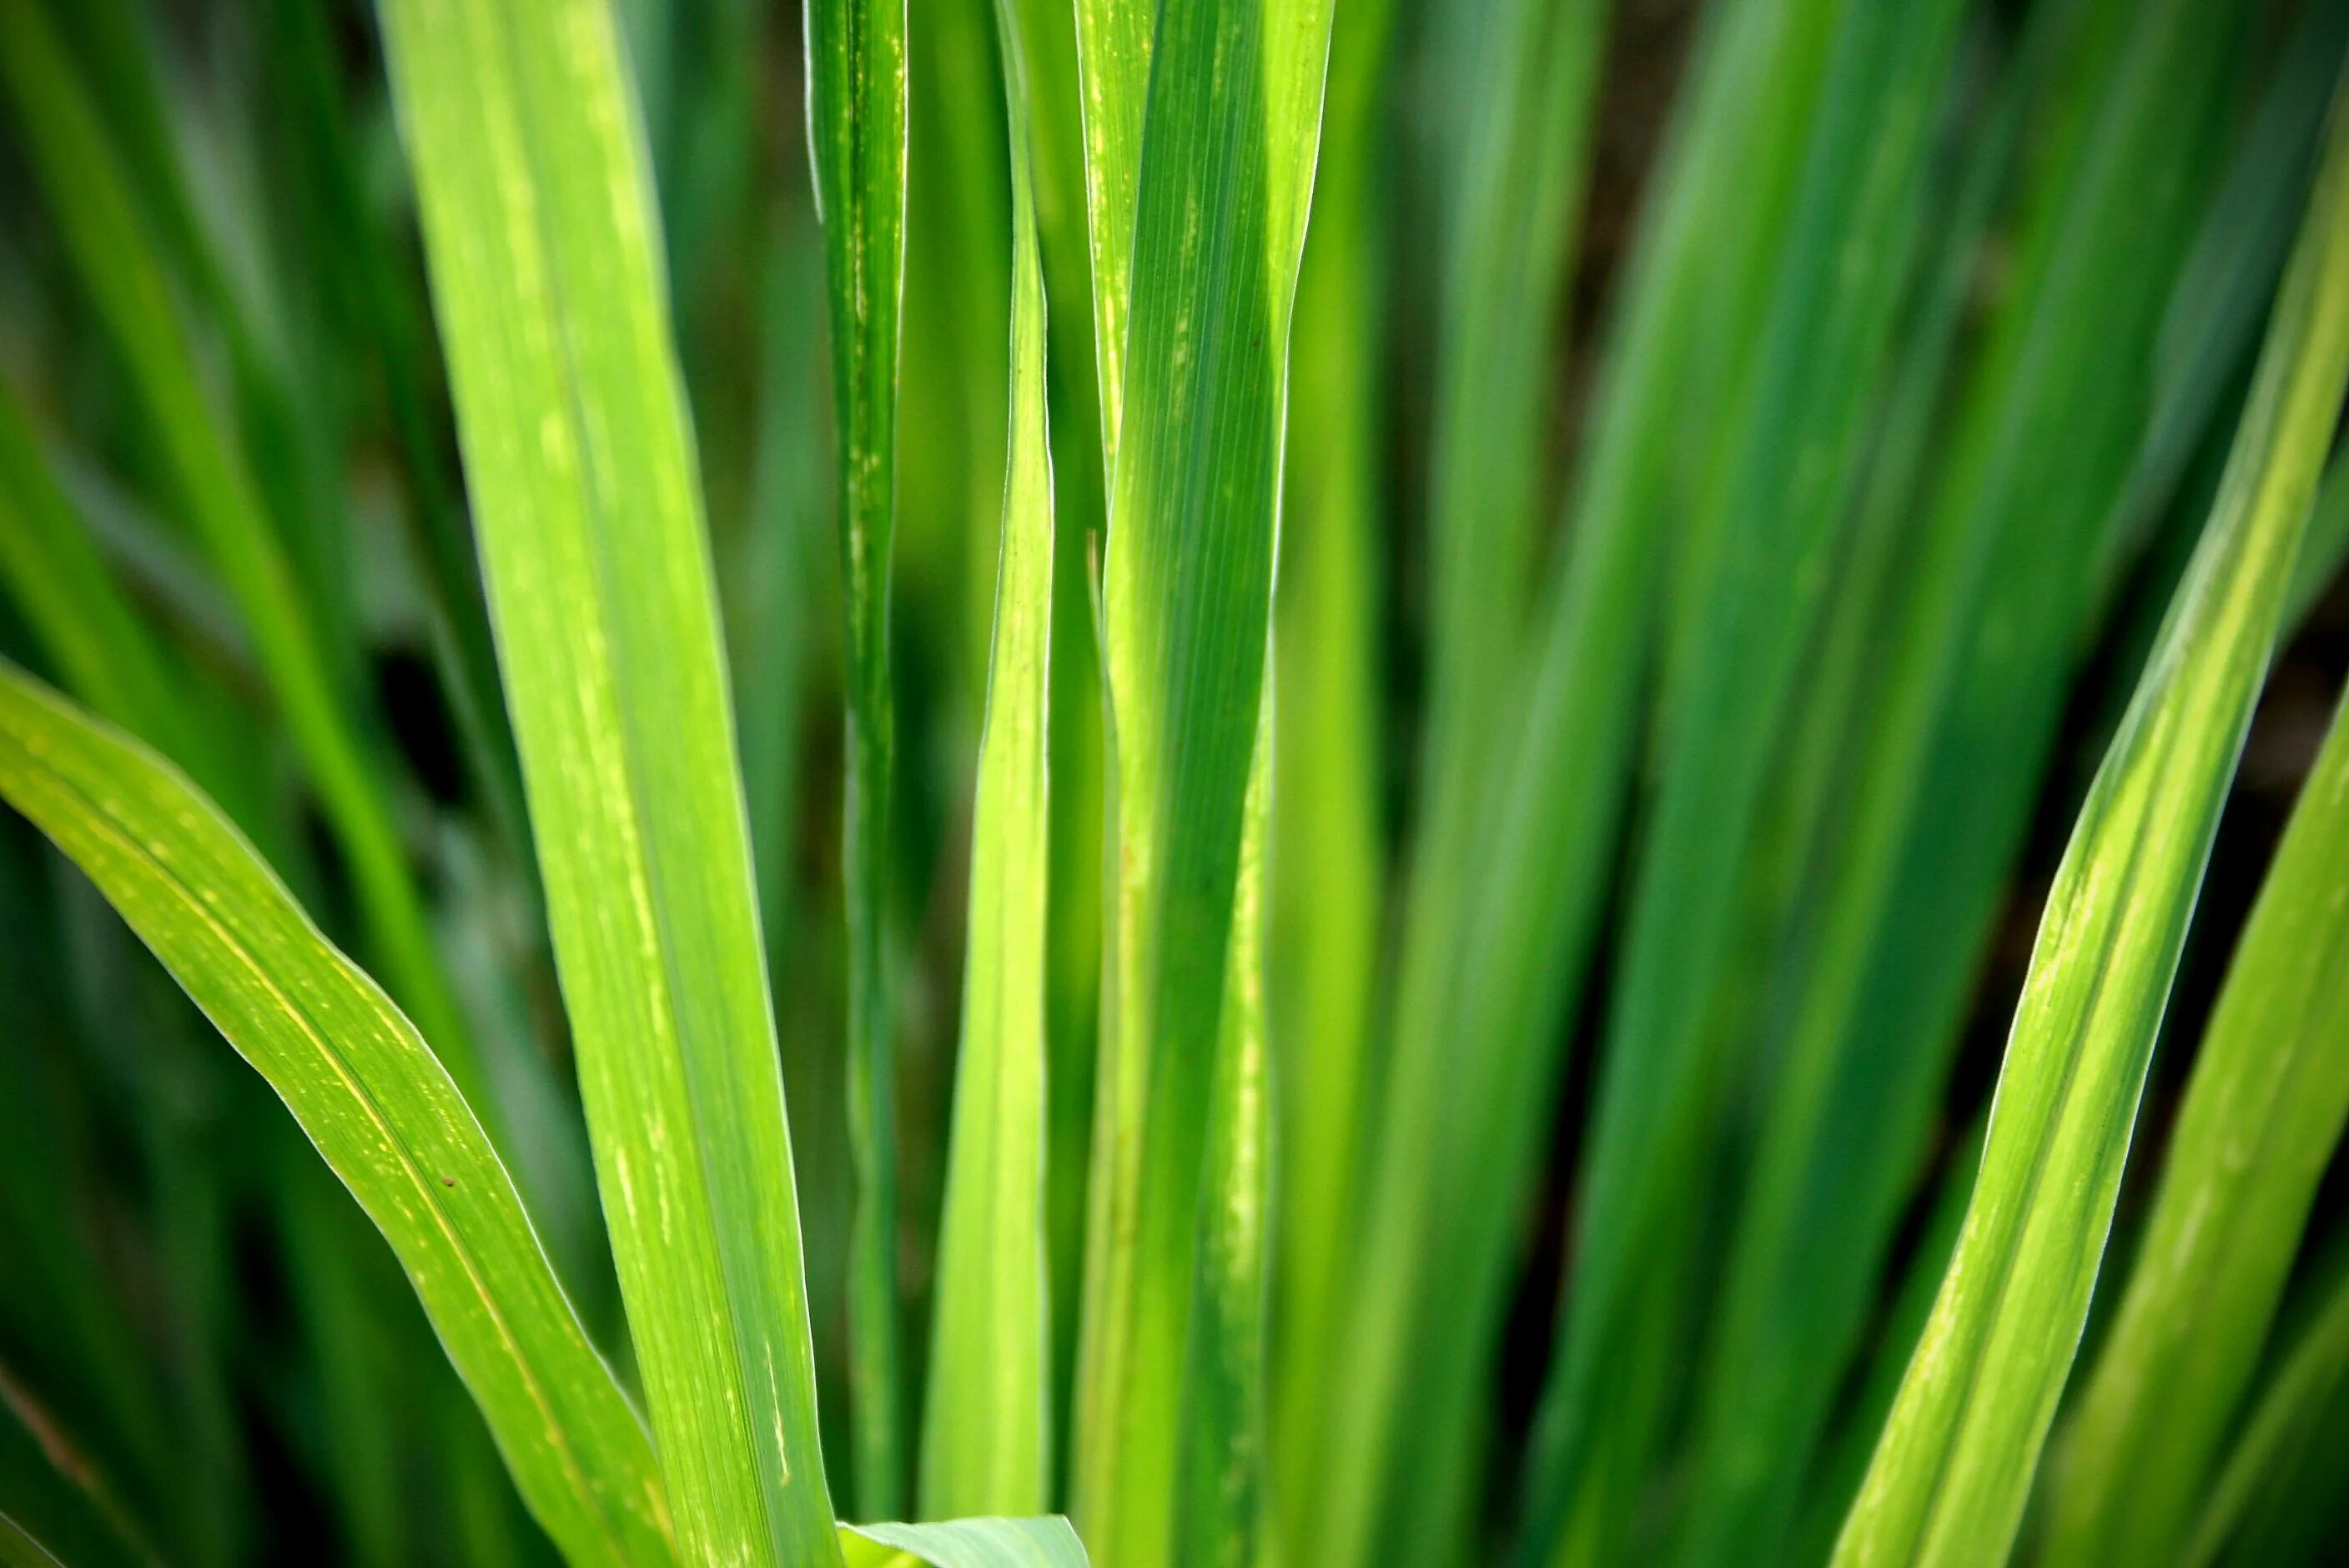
(1990, 610)
(1194, 435)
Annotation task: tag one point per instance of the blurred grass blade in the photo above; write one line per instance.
(370, 1095)
(1842, 272)
(2269, 1486)
(1232, 123)
(547, 273)
(1488, 979)
(96, 641)
(1529, 97)
(986, 1433)
(118, 260)
(1326, 874)
(1994, 602)
(856, 127)
(1953, 1467)
(965, 1543)
(2263, 1114)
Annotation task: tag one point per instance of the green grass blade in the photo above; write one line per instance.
(1113, 44)
(987, 1434)
(1664, 1077)
(2283, 1446)
(2262, 1113)
(1327, 872)
(965, 1543)
(1233, 120)
(94, 638)
(370, 1095)
(1530, 86)
(856, 125)
(1460, 1129)
(1954, 1465)
(546, 275)
(1995, 602)
(1219, 1484)
(1842, 1461)
(119, 264)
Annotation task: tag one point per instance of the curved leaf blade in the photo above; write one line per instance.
(2263, 1114)
(373, 1097)
(1953, 1466)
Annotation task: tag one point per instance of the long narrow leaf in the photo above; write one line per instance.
(372, 1096)
(545, 274)
(1485, 984)
(856, 125)
(1993, 605)
(1954, 1465)
(1232, 120)
(2263, 1114)
(987, 1434)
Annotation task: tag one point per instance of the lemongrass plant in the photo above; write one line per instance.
(1173, 782)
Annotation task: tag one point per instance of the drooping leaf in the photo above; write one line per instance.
(546, 278)
(372, 1096)
(120, 265)
(1953, 1467)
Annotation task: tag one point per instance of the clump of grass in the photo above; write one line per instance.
(1037, 904)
